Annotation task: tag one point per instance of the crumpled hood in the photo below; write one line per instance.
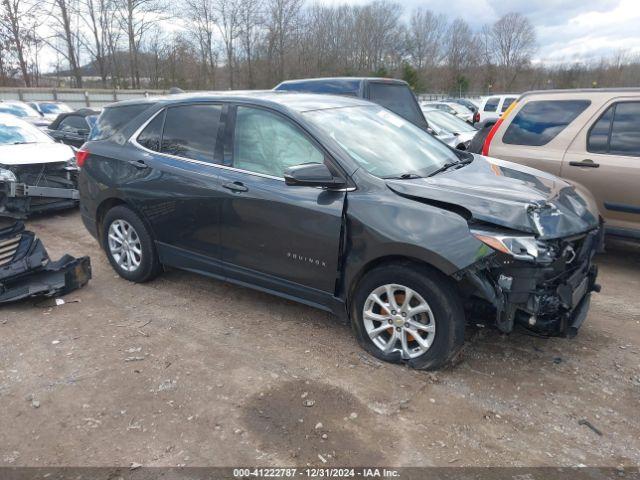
(508, 195)
(31, 153)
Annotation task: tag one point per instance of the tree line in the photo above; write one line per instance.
(247, 44)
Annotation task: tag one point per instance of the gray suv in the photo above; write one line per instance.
(342, 205)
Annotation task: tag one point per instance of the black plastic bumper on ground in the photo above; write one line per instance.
(29, 272)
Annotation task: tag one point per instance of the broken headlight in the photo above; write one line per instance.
(7, 175)
(520, 247)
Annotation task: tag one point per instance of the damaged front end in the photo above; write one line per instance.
(27, 271)
(544, 285)
(37, 188)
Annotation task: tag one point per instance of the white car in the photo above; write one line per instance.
(458, 132)
(21, 110)
(492, 107)
(452, 108)
(36, 173)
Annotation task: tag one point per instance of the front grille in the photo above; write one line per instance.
(8, 249)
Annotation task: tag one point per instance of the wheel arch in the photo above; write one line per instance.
(442, 267)
(111, 202)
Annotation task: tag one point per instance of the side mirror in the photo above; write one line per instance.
(311, 175)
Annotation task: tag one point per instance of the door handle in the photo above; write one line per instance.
(585, 163)
(138, 164)
(235, 186)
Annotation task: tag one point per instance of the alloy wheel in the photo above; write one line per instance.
(398, 319)
(124, 245)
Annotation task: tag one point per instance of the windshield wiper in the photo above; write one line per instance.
(448, 165)
(404, 176)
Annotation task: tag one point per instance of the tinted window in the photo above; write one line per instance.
(598, 141)
(113, 118)
(190, 131)
(151, 136)
(537, 123)
(492, 104)
(73, 124)
(398, 98)
(507, 103)
(266, 143)
(625, 136)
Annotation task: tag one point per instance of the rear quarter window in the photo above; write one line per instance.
(539, 122)
(492, 104)
(114, 118)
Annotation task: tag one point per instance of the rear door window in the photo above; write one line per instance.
(399, 99)
(492, 104)
(190, 131)
(625, 131)
(539, 122)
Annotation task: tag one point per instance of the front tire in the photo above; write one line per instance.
(129, 245)
(408, 313)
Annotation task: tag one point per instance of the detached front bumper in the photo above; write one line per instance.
(551, 299)
(27, 271)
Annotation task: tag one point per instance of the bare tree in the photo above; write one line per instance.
(201, 13)
(250, 21)
(95, 16)
(460, 54)
(137, 17)
(282, 17)
(228, 23)
(16, 17)
(65, 38)
(425, 34)
(512, 40)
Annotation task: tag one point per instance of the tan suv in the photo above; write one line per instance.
(589, 137)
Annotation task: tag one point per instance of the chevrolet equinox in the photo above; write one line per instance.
(340, 204)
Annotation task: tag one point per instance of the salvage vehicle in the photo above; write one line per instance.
(26, 271)
(73, 128)
(50, 110)
(340, 204)
(36, 174)
(589, 137)
(24, 112)
(449, 126)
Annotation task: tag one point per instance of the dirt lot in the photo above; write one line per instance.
(191, 371)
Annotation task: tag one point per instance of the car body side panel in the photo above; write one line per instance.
(382, 225)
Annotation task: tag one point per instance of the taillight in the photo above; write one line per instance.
(476, 117)
(487, 141)
(81, 157)
(492, 132)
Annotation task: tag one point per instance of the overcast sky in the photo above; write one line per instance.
(567, 29)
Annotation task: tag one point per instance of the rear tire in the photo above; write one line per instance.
(129, 245)
(423, 325)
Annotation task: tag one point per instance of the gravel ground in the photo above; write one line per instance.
(191, 371)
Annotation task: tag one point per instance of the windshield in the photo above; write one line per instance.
(381, 142)
(14, 132)
(444, 122)
(54, 108)
(18, 110)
